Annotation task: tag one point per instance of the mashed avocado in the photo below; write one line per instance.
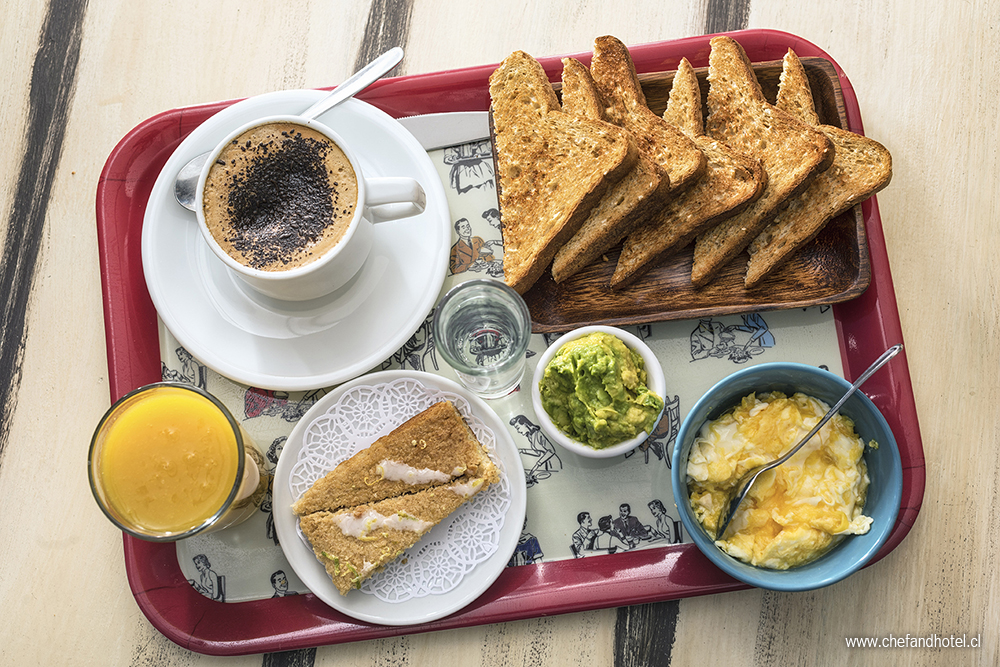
(594, 389)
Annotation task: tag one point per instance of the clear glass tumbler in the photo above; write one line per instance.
(482, 329)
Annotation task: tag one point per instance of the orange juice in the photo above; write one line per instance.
(166, 460)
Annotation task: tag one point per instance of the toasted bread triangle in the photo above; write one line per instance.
(626, 204)
(730, 182)
(790, 151)
(861, 167)
(553, 167)
(660, 141)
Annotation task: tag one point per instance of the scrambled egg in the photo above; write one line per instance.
(796, 512)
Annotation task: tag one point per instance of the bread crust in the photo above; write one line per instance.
(861, 167)
(553, 167)
(658, 140)
(791, 152)
(626, 204)
(730, 183)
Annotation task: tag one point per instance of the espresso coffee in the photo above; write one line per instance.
(279, 196)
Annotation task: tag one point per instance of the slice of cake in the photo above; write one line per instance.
(355, 543)
(432, 448)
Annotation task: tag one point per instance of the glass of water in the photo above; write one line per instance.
(482, 328)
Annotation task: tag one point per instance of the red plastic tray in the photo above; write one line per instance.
(866, 326)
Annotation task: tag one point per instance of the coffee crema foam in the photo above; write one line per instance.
(279, 196)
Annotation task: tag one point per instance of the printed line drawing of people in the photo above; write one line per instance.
(190, 371)
(737, 342)
(417, 349)
(665, 527)
(279, 582)
(528, 549)
(584, 536)
(606, 540)
(539, 447)
(269, 403)
(469, 253)
(494, 268)
(628, 528)
(267, 505)
(210, 584)
(664, 434)
(471, 166)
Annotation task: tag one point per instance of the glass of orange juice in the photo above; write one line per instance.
(168, 461)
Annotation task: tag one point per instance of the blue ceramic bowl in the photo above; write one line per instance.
(884, 470)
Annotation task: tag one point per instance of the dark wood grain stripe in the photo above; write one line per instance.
(388, 25)
(726, 15)
(53, 81)
(302, 658)
(644, 634)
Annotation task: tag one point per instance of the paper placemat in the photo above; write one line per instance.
(577, 507)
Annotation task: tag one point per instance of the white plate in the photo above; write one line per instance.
(368, 607)
(272, 344)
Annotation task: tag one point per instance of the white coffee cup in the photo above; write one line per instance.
(340, 263)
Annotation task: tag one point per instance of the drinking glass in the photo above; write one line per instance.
(168, 461)
(482, 328)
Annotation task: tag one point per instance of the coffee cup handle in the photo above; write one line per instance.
(392, 198)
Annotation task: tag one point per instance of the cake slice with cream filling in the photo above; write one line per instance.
(375, 505)
(355, 543)
(430, 449)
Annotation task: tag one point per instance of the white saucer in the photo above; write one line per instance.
(400, 395)
(273, 344)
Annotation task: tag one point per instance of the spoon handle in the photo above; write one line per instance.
(881, 361)
(360, 80)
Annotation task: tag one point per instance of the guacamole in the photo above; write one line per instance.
(594, 390)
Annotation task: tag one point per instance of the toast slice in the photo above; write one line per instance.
(791, 152)
(661, 142)
(730, 183)
(553, 167)
(624, 205)
(861, 167)
(432, 448)
(355, 543)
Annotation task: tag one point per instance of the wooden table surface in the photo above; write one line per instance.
(77, 76)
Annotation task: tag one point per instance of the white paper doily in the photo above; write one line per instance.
(433, 579)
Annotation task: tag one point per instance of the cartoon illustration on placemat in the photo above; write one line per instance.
(210, 583)
(625, 531)
(737, 342)
(471, 166)
(539, 447)
(628, 528)
(267, 506)
(663, 436)
(269, 403)
(416, 351)
(584, 536)
(190, 371)
(473, 253)
(279, 582)
(665, 527)
(528, 549)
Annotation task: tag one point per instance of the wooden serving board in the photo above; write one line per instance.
(835, 267)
